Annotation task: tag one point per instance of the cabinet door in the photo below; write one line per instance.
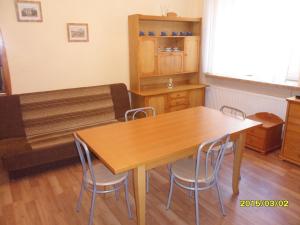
(170, 63)
(147, 56)
(158, 102)
(191, 54)
(197, 97)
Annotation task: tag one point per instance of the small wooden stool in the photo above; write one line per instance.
(267, 137)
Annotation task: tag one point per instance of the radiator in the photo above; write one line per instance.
(248, 102)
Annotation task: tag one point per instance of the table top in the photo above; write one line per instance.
(127, 145)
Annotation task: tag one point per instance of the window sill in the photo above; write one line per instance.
(250, 79)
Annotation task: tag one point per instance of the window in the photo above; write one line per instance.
(253, 38)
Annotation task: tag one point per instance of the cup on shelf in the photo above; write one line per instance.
(163, 33)
(189, 33)
(151, 33)
(174, 33)
(142, 33)
(182, 33)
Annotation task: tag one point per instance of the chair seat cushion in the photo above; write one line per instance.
(105, 177)
(185, 170)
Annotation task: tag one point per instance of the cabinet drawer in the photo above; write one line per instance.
(178, 94)
(178, 101)
(258, 132)
(255, 142)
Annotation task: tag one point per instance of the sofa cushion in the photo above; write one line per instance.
(120, 99)
(11, 124)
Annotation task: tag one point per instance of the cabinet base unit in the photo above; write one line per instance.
(169, 100)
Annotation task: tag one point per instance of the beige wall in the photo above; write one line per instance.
(40, 57)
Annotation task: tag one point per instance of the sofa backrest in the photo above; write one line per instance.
(53, 113)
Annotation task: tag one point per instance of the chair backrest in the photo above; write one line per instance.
(85, 159)
(211, 148)
(234, 112)
(145, 111)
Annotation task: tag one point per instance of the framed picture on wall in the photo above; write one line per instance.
(29, 11)
(78, 32)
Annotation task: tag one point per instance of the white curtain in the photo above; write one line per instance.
(260, 38)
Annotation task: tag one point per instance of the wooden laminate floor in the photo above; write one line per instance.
(49, 198)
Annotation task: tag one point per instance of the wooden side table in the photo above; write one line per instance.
(267, 137)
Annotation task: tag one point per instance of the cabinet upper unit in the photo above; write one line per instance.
(162, 46)
(168, 55)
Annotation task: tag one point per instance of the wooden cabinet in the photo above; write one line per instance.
(155, 60)
(191, 54)
(291, 145)
(267, 137)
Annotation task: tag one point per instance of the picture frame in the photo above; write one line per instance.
(29, 11)
(78, 32)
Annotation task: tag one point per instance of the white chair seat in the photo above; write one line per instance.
(185, 170)
(105, 177)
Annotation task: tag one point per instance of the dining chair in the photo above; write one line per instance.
(198, 174)
(236, 113)
(142, 112)
(96, 177)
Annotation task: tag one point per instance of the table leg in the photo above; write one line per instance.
(240, 145)
(140, 193)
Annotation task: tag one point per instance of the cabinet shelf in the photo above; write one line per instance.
(159, 91)
(157, 36)
(164, 75)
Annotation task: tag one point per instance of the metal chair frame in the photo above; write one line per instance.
(209, 181)
(134, 112)
(143, 110)
(87, 167)
(234, 112)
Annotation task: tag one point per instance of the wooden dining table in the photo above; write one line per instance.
(142, 144)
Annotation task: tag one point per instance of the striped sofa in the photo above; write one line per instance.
(36, 128)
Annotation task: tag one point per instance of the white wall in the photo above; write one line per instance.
(40, 57)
